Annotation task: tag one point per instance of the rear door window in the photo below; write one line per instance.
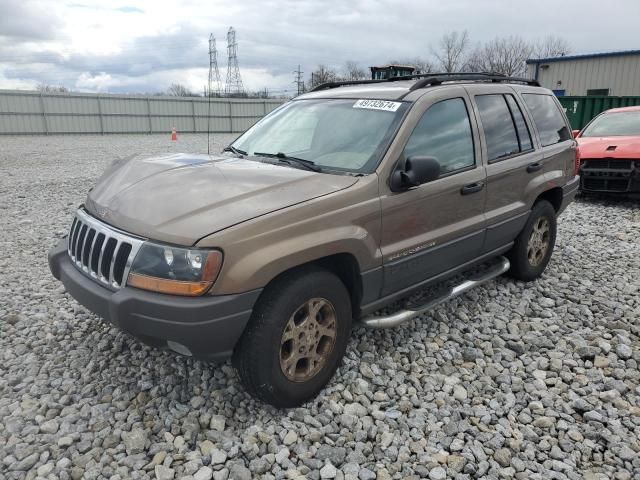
(548, 118)
(499, 130)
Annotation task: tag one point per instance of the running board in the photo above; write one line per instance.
(405, 315)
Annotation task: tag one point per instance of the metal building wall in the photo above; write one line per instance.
(620, 74)
(27, 112)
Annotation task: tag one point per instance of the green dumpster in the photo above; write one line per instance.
(580, 110)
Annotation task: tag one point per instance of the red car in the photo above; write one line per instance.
(609, 150)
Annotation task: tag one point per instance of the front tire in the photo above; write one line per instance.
(296, 337)
(533, 247)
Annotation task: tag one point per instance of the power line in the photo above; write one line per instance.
(233, 86)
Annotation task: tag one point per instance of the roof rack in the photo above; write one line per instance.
(432, 79)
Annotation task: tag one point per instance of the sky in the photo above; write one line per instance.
(139, 46)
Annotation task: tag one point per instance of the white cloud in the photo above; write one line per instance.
(144, 45)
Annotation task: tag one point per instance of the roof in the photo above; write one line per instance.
(635, 108)
(407, 88)
(587, 56)
(382, 91)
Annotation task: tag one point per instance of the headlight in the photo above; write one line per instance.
(178, 271)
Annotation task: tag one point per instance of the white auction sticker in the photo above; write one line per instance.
(378, 105)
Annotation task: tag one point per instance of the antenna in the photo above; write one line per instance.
(234, 86)
(214, 78)
(299, 81)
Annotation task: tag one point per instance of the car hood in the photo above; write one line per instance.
(182, 198)
(609, 147)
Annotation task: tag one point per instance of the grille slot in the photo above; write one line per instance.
(614, 164)
(100, 251)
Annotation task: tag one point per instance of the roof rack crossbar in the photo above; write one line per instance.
(431, 79)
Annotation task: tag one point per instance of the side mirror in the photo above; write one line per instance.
(415, 171)
(574, 133)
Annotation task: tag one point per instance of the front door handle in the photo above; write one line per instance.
(534, 167)
(472, 188)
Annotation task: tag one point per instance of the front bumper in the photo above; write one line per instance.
(208, 326)
(569, 191)
(610, 176)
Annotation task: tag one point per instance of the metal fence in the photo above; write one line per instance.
(27, 112)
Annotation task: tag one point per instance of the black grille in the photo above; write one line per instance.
(605, 184)
(611, 163)
(101, 252)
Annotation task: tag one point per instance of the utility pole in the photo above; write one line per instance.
(234, 86)
(299, 81)
(215, 84)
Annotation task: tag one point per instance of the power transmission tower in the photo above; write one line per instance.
(215, 84)
(299, 81)
(234, 85)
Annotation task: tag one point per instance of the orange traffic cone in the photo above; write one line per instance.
(174, 134)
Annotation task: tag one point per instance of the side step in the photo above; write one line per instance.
(405, 315)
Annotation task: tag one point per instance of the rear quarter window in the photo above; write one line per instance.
(547, 117)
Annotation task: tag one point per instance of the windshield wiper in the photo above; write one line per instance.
(233, 149)
(308, 164)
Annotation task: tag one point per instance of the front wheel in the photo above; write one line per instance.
(296, 337)
(533, 247)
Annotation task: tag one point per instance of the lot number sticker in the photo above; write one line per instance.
(377, 105)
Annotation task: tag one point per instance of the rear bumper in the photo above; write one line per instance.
(208, 326)
(569, 191)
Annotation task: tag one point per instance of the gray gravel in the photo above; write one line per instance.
(535, 381)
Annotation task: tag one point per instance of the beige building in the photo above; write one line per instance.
(613, 73)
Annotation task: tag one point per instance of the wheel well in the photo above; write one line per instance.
(553, 196)
(346, 268)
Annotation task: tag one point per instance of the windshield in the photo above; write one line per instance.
(348, 135)
(614, 125)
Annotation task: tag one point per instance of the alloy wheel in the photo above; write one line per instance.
(308, 339)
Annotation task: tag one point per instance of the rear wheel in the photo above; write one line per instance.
(296, 337)
(533, 247)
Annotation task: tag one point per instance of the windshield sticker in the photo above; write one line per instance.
(377, 105)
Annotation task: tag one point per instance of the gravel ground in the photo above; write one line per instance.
(531, 381)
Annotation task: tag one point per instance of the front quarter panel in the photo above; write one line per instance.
(258, 250)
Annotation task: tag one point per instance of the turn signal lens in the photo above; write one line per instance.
(172, 287)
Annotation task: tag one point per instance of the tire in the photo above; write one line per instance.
(533, 247)
(266, 357)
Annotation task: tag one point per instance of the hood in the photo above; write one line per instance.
(182, 198)
(609, 147)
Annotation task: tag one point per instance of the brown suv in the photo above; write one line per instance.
(334, 205)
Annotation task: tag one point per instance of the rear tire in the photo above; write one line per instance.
(296, 337)
(533, 247)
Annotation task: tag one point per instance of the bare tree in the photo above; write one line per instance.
(179, 90)
(551, 46)
(46, 88)
(353, 71)
(322, 74)
(505, 55)
(451, 51)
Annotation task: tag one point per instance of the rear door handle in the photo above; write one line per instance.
(472, 188)
(534, 167)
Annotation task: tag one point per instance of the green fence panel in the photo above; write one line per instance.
(580, 110)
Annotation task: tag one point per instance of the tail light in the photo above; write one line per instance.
(577, 162)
